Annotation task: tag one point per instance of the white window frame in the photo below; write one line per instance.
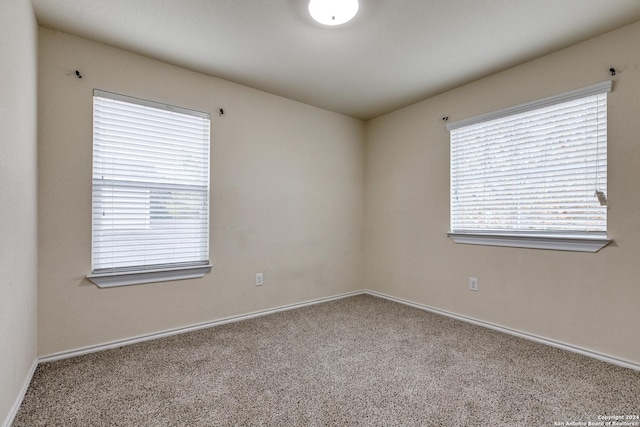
(176, 266)
(582, 242)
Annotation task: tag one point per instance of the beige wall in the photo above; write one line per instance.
(287, 192)
(587, 300)
(18, 207)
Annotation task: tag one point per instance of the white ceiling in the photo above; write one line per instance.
(394, 52)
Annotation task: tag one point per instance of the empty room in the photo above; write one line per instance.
(278, 213)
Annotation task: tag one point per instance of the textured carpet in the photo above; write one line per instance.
(356, 361)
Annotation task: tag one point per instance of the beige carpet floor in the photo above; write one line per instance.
(356, 361)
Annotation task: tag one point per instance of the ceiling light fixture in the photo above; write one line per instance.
(333, 12)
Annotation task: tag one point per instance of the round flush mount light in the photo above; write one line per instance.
(333, 12)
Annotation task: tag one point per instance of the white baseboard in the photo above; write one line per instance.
(147, 337)
(176, 331)
(542, 340)
(16, 405)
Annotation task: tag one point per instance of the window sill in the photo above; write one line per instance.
(110, 280)
(577, 244)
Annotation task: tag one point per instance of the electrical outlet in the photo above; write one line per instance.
(259, 279)
(473, 284)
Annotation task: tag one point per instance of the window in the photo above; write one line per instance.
(534, 175)
(150, 219)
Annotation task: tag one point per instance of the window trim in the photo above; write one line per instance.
(578, 243)
(109, 280)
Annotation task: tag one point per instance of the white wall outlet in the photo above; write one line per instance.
(473, 284)
(259, 279)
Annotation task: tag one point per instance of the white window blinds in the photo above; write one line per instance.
(537, 168)
(150, 185)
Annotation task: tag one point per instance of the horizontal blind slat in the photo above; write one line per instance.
(534, 170)
(150, 185)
